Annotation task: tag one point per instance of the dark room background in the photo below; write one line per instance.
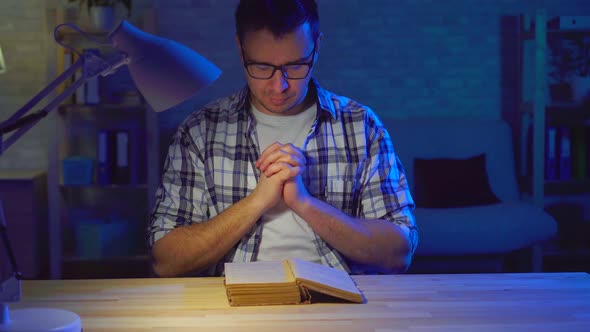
(403, 58)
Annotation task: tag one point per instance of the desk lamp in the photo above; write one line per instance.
(165, 72)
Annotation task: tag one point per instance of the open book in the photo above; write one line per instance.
(290, 281)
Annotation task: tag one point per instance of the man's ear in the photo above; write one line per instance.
(318, 45)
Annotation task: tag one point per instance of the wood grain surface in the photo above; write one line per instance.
(458, 302)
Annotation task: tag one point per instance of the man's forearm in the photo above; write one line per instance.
(379, 243)
(195, 247)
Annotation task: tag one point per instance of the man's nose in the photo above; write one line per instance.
(278, 81)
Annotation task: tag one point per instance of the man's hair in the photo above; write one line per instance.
(278, 16)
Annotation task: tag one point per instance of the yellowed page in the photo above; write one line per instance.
(260, 283)
(270, 272)
(325, 279)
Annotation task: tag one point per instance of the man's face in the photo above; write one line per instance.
(279, 95)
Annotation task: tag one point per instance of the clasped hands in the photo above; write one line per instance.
(281, 166)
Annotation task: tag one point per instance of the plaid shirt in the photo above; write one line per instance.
(351, 165)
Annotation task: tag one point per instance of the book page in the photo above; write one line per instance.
(268, 272)
(319, 277)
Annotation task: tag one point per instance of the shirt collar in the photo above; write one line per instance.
(324, 100)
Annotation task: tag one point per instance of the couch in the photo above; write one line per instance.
(468, 236)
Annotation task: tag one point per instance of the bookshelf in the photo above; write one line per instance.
(103, 169)
(555, 128)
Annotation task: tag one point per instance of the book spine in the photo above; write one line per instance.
(579, 152)
(80, 95)
(565, 167)
(68, 62)
(551, 154)
(524, 139)
(92, 88)
(65, 62)
(122, 157)
(105, 157)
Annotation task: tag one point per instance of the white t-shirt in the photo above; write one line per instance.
(284, 233)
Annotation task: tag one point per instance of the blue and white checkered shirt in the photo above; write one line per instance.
(351, 165)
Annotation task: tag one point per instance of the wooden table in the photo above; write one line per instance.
(469, 302)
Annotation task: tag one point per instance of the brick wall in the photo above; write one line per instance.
(402, 57)
(23, 40)
(28, 47)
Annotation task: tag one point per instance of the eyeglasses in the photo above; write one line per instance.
(291, 71)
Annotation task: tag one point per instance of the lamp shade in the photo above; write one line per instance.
(166, 72)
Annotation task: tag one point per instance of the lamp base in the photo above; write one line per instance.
(41, 320)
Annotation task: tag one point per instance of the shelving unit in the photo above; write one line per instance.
(97, 230)
(575, 117)
(541, 111)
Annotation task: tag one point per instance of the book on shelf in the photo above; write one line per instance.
(87, 93)
(64, 63)
(565, 165)
(551, 154)
(80, 94)
(579, 153)
(92, 88)
(121, 170)
(112, 157)
(105, 156)
(290, 281)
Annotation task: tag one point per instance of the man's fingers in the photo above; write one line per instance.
(283, 161)
(268, 151)
(286, 153)
(274, 157)
(275, 168)
(282, 157)
(292, 149)
(280, 167)
(289, 173)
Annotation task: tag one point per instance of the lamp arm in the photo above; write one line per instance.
(43, 93)
(92, 66)
(123, 60)
(23, 124)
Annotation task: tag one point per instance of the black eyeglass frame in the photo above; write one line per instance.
(309, 65)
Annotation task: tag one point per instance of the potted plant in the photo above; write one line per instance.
(102, 12)
(570, 61)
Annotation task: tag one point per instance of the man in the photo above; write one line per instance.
(282, 168)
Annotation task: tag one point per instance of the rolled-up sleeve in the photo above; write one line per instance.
(386, 194)
(180, 199)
